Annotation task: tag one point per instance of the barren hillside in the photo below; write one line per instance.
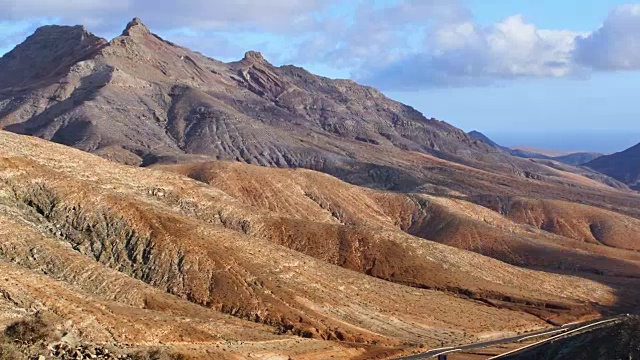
(304, 197)
(111, 239)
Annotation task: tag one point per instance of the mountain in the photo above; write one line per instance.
(544, 152)
(522, 153)
(578, 158)
(526, 154)
(622, 166)
(139, 100)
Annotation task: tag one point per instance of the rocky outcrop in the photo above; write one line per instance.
(64, 351)
(136, 27)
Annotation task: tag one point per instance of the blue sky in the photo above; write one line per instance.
(549, 14)
(543, 73)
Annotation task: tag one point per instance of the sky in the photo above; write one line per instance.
(551, 74)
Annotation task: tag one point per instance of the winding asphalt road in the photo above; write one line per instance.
(559, 330)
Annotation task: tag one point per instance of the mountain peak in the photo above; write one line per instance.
(135, 26)
(254, 56)
(47, 53)
(59, 33)
(47, 29)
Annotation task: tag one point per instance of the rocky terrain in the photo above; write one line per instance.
(201, 209)
(568, 234)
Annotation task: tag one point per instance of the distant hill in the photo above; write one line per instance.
(529, 154)
(546, 152)
(482, 137)
(623, 166)
(580, 158)
(577, 158)
(520, 152)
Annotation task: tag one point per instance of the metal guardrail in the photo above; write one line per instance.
(553, 338)
(566, 329)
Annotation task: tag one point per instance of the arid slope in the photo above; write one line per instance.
(302, 198)
(148, 239)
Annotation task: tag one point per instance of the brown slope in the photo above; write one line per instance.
(202, 335)
(580, 222)
(103, 306)
(377, 252)
(158, 227)
(307, 195)
(446, 177)
(299, 194)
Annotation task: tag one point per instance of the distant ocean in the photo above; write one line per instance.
(605, 141)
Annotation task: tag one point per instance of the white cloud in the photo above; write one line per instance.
(379, 47)
(616, 44)
(436, 43)
(377, 35)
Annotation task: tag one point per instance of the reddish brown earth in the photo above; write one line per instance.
(153, 257)
(307, 195)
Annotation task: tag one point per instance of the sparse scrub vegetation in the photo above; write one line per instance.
(27, 337)
(158, 354)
